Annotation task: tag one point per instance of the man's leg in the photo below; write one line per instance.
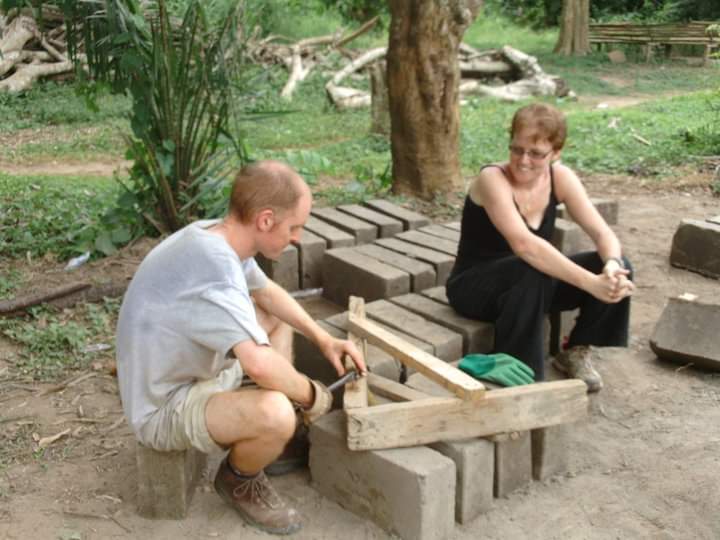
(279, 333)
(255, 424)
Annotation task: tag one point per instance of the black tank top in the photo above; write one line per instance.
(480, 240)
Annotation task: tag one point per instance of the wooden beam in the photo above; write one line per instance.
(393, 390)
(425, 421)
(446, 375)
(356, 394)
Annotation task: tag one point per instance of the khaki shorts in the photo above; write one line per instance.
(182, 425)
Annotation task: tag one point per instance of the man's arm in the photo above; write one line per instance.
(276, 301)
(268, 369)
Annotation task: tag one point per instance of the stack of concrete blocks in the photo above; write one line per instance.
(300, 265)
(696, 246)
(167, 481)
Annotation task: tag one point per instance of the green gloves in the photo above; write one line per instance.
(499, 368)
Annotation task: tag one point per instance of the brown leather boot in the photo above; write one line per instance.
(256, 501)
(577, 364)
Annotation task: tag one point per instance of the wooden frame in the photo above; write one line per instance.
(475, 412)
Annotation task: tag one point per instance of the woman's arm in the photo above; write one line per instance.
(495, 192)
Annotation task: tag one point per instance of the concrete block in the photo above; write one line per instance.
(478, 336)
(436, 293)
(166, 481)
(311, 250)
(609, 210)
(447, 344)
(387, 226)
(441, 232)
(308, 358)
(285, 270)
(715, 220)
(410, 219)
(348, 272)
(422, 275)
(513, 462)
(310, 361)
(550, 454)
(334, 237)
(429, 241)
(409, 492)
(454, 225)
(696, 247)
(474, 475)
(442, 262)
(362, 231)
(687, 332)
(569, 238)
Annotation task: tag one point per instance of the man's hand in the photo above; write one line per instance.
(335, 350)
(320, 404)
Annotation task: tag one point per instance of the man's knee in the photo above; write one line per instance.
(276, 413)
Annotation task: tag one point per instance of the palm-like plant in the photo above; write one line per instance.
(179, 73)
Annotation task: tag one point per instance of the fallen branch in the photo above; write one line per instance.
(345, 97)
(11, 306)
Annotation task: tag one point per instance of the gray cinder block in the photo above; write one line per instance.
(569, 238)
(409, 492)
(362, 231)
(549, 451)
(447, 344)
(422, 275)
(687, 332)
(478, 336)
(387, 226)
(696, 247)
(608, 209)
(311, 250)
(285, 270)
(430, 241)
(513, 462)
(334, 237)
(348, 272)
(166, 481)
(410, 219)
(442, 262)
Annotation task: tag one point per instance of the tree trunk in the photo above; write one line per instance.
(574, 28)
(380, 114)
(423, 78)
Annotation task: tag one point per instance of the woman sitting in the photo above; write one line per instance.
(507, 272)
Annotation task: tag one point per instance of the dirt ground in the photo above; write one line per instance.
(645, 464)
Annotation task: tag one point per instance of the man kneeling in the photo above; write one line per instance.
(198, 314)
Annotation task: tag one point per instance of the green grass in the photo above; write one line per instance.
(55, 343)
(50, 215)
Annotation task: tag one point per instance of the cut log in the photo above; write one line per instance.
(426, 421)
(345, 98)
(26, 75)
(8, 307)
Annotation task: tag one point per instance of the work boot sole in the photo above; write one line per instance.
(250, 521)
(592, 389)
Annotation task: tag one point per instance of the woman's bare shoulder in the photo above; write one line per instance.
(489, 177)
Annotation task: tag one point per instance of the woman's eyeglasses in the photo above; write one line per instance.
(532, 154)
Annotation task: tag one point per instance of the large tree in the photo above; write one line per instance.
(423, 79)
(574, 28)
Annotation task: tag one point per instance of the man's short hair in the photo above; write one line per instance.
(545, 121)
(262, 185)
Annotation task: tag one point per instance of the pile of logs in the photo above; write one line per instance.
(31, 48)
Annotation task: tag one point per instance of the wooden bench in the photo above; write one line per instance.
(649, 35)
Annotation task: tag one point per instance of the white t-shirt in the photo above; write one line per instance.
(186, 307)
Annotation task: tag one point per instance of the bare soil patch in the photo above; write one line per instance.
(644, 465)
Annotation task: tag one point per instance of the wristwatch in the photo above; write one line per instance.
(618, 260)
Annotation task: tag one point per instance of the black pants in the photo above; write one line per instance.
(515, 297)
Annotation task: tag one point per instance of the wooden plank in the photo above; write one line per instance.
(395, 391)
(430, 420)
(356, 394)
(448, 376)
